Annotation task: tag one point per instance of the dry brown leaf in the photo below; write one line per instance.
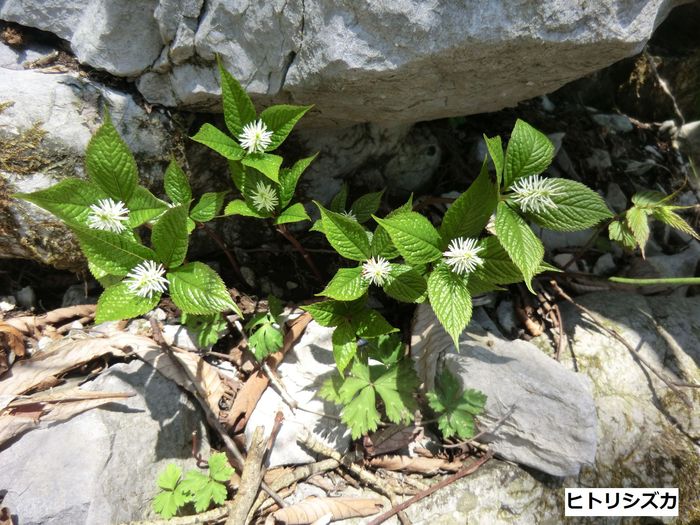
(389, 439)
(30, 324)
(13, 339)
(248, 396)
(58, 358)
(312, 509)
(26, 414)
(5, 516)
(420, 465)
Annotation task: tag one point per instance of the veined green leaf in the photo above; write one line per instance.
(469, 214)
(405, 284)
(113, 253)
(495, 148)
(177, 186)
(638, 222)
(450, 299)
(289, 177)
(117, 303)
(414, 236)
(110, 164)
(364, 207)
(370, 323)
(666, 215)
(346, 235)
(197, 289)
(266, 163)
(294, 213)
(619, 231)
(497, 267)
(238, 108)
(340, 200)
(395, 387)
(576, 207)
(523, 247)
(239, 207)
(169, 237)
(332, 313)
(208, 206)
(281, 119)
(69, 200)
(529, 152)
(143, 207)
(219, 142)
(238, 174)
(347, 285)
(344, 345)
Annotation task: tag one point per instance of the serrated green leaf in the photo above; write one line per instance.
(170, 477)
(207, 328)
(345, 235)
(265, 340)
(117, 303)
(529, 152)
(347, 285)
(344, 345)
(340, 200)
(110, 164)
(289, 178)
(238, 108)
(219, 141)
(69, 200)
(360, 414)
(637, 220)
(367, 205)
(497, 267)
(332, 313)
(281, 119)
(523, 247)
(405, 284)
(177, 185)
(649, 199)
(203, 490)
(666, 215)
(239, 207)
(295, 213)
(143, 207)
(396, 387)
(167, 502)
(414, 237)
(238, 173)
(169, 237)
(495, 149)
(370, 323)
(450, 299)
(457, 408)
(620, 232)
(387, 349)
(266, 163)
(208, 206)
(330, 389)
(219, 468)
(577, 207)
(197, 289)
(382, 244)
(471, 211)
(113, 253)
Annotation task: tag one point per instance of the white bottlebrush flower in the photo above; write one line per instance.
(146, 279)
(264, 197)
(376, 270)
(462, 255)
(108, 215)
(534, 194)
(349, 214)
(255, 137)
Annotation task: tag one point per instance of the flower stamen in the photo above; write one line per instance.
(255, 137)
(108, 215)
(146, 279)
(264, 197)
(376, 270)
(462, 255)
(534, 194)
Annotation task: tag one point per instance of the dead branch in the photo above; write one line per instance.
(250, 480)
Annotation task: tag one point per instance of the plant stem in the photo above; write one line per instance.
(220, 242)
(282, 229)
(676, 281)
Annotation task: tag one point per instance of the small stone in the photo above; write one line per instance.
(180, 336)
(614, 122)
(7, 303)
(616, 198)
(547, 104)
(557, 139)
(26, 298)
(563, 259)
(506, 316)
(599, 160)
(75, 295)
(605, 265)
(248, 276)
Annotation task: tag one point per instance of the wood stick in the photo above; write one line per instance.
(250, 480)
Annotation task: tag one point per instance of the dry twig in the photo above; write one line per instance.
(251, 479)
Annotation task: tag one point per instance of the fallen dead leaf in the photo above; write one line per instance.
(389, 439)
(248, 396)
(313, 509)
(31, 324)
(25, 414)
(5, 516)
(12, 339)
(420, 465)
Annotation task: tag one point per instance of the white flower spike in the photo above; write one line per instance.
(255, 137)
(146, 279)
(349, 214)
(108, 215)
(462, 255)
(264, 197)
(534, 194)
(376, 270)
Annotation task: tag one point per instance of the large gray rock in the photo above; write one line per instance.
(101, 466)
(45, 126)
(397, 62)
(552, 421)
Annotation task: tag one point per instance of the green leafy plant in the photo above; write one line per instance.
(105, 213)
(265, 332)
(195, 487)
(632, 228)
(456, 407)
(207, 328)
